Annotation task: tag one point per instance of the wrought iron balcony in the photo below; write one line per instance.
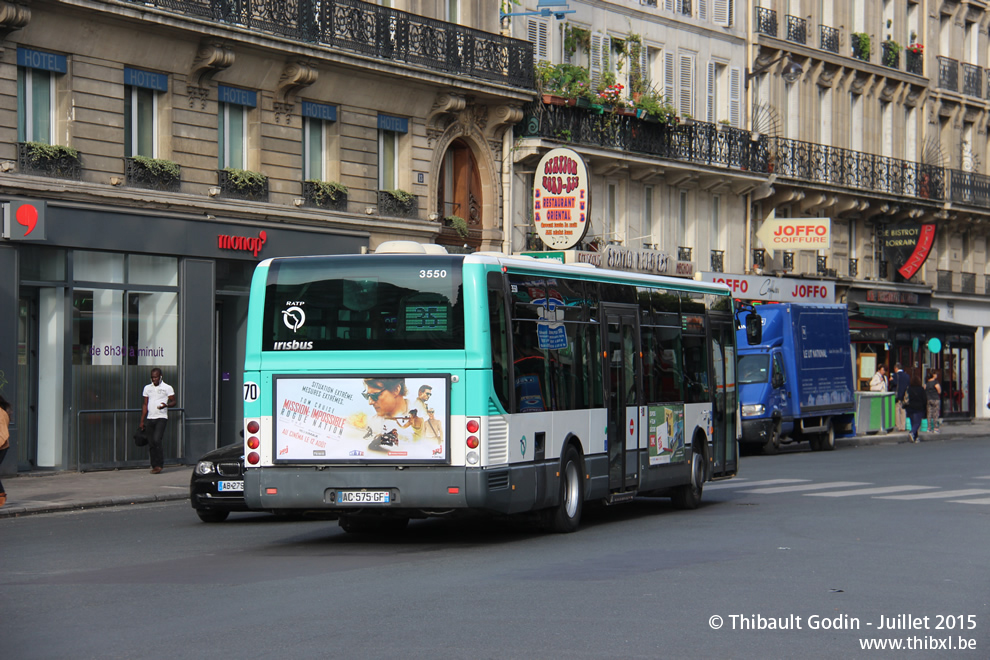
(686, 7)
(853, 267)
(397, 204)
(972, 80)
(855, 169)
(915, 63)
(48, 160)
(152, 174)
(948, 73)
(797, 29)
(860, 47)
(830, 39)
(759, 258)
(969, 188)
(882, 268)
(684, 253)
(766, 21)
(890, 55)
(967, 283)
(718, 261)
(944, 282)
(380, 32)
(788, 261)
(696, 142)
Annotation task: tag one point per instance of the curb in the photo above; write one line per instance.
(78, 505)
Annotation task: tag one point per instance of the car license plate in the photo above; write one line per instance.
(230, 486)
(363, 497)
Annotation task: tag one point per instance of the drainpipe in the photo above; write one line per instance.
(507, 190)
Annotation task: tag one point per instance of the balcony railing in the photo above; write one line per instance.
(972, 80)
(830, 39)
(855, 169)
(380, 32)
(766, 21)
(706, 144)
(944, 281)
(696, 142)
(797, 29)
(890, 56)
(969, 188)
(788, 261)
(684, 253)
(968, 283)
(948, 73)
(718, 261)
(759, 257)
(914, 63)
(860, 47)
(853, 267)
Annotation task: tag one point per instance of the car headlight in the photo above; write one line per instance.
(204, 467)
(752, 410)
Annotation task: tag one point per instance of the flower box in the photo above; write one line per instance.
(325, 194)
(553, 99)
(397, 204)
(152, 173)
(242, 184)
(49, 160)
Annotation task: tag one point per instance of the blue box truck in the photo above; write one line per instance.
(796, 384)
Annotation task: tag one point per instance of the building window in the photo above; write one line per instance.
(453, 11)
(36, 72)
(390, 131)
(314, 148)
(232, 125)
(141, 111)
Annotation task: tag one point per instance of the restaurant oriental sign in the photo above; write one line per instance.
(560, 199)
(907, 245)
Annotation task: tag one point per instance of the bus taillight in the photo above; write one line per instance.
(472, 426)
(472, 442)
(253, 442)
(253, 426)
(254, 458)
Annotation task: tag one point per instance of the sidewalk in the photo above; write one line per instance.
(44, 492)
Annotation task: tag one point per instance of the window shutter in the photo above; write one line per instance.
(599, 42)
(710, 93)
(668, 78)
(539, 35)
(735, 96)
(703, 10)
(721, 12)
(671, 5)
(685, 93)
(644, 65)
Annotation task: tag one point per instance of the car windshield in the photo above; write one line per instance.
(753, 368)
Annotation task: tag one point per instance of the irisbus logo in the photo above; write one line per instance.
(293, 346)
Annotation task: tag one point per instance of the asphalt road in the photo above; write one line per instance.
(856, 538)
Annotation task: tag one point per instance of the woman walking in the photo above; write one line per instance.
(4, 439)
(933, 394)
(916, 405)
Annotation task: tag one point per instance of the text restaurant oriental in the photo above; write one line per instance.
(560, 199)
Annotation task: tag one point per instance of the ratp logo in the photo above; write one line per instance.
(293, 317)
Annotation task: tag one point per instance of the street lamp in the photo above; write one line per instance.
(545, 8)
(791, 72)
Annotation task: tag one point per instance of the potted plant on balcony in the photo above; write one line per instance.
(50, 159)
(243, 184)
(891, 49)
(325, 194)
(574, 37)
(652, 106)
(861, 45)
(458, 224)
(154, 173)
(916, 49)
(397, 203)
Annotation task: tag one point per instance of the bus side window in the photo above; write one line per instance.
(530, 367)
(498, 326)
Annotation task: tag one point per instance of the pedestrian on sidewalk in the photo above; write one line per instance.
(915, 405)
(158, 398)
(899, 383)
(879, 381)
(933, 394)
(4, 439)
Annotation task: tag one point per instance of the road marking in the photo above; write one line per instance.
(742, 483)
(795, 489)
(880, 490)
(984, 477)
(944, 494)
(985, 500)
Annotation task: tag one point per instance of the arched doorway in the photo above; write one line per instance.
(459, 196)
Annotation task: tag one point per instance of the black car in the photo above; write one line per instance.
(217, 484)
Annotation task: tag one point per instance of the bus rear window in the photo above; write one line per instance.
(366, 302)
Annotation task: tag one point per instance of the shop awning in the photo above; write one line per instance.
(894, 311)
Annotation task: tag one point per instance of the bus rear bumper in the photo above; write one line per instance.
(414, 491)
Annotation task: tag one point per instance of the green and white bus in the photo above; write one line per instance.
(412, 383)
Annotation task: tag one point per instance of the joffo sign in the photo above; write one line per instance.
(252, 244)
(774, 289)
(908, 246)
(560, 199)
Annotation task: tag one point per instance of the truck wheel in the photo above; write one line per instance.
(773, 444)
(209, 516)
(566, 516)
(826, 441)
(815, 443)
(689, 495)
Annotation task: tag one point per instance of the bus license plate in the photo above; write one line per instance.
(230, 486)
(363, 497)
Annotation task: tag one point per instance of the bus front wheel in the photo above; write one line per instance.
(566, 516)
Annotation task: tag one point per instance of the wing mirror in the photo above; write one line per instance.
(754, 328)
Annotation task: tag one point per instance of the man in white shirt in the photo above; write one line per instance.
(158, 398)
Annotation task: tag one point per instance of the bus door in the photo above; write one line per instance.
(622, 383)
(724, 399)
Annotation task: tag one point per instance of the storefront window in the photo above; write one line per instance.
(151, 269)
(42, 264)
(955, 381)
(98, 267)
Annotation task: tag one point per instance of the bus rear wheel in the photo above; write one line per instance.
(688, 496)
(566, 516)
